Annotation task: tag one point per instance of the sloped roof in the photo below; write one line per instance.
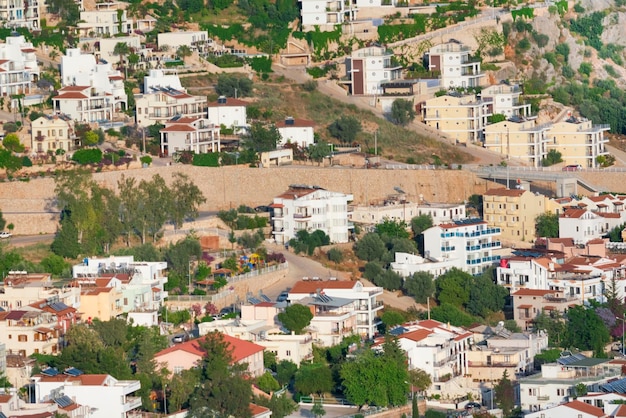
(573, 213)
(533, 292)
(505, 192)
(586, 408)
(417, 335)
(240, 349)
(230, 101)
(297, 123)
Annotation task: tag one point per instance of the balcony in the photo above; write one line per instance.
(297, 216)
(543, 398)
(132, 402)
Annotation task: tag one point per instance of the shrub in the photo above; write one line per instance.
(335, 255)
(210, 159)
(87, 156)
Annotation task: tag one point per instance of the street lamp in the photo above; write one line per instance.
(623, 329)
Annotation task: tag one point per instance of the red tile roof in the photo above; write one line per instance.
(463, 336)
(240, 349)
(229, 102)
(5, 398)
(586, 408)
(83, 379)
(417, 335)
(74, 88)
(568, 242)
(505, 192)
(179, 128)
(70, 96)
(573, 213)
(257, 410)
(186, 119)
(430, 323)
(467, 223)
(297, 123)
(311, 286)
(620, 412)
(524, 306)
(533, 292)
(265, 304)
(295, 192)
(608, 215)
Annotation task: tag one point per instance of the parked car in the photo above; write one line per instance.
(4, 234)
(282, 297)
(180, 338)
(573, 167)
(472, 406)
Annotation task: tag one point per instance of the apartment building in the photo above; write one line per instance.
(85, 103)
(556, 384)
(174, 40)
(229, 112)
(505, 99)
(524, 272)
(310, 208)
(465, 244)
(100, 302)
(104, 395)
(514, 212)
(109, 19)
(529, 303)
(461, 116)
(583, 225)
(20, 14)
(340, 308)
(18, 65)
(455, 63)
(326, 15)
(20, 289)
(439, 349)
(106, 48)
(52, 132)
(519, 138)
(575, 408)
(299, 132)
(189, 134)
(368, 68)
(159, 79)
(579, 141)
(162, 104)
(27, 332)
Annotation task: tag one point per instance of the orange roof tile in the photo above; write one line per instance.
(463, 336)
(240, 349)
(505, 192)
(295, 192)
(70, 95)
(573, 213)
(74, 88)
(586, 408)
(229, 102)
(524, 306)
(257, 410)
(312, 286)
(430, 323)
(417, 335)
(620, 412)
(179, 128)
(5, 398)
(297, 123)
(533, 292)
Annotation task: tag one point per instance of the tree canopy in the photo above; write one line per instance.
(402, 112)
(547, 225)
(345, 129)
(296, 317)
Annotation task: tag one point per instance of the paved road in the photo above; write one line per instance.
(331, 411)
(23, 240)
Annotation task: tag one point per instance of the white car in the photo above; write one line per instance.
(5, 234)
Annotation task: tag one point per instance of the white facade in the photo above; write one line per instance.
(51, 132)
(190, 134)
(575, 408)
(175, 40)
(326, 14)
(296, 131)
(469, 242)
(232, 113)
(310, 208)
(107, 46)
(157, 79)
(105, 22)
(29, 331)
(18, 66)
(505, 99)
(106, 396)
(457, 67)
(583, 225)
(84, 104)
(164, 104)
(406, 264)
(368, 68)
(524, 273)
(20, 14)
(394, 210)
(20, 289)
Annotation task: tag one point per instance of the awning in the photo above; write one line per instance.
(524, 306)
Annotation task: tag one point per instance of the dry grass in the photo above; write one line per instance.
(35, 252)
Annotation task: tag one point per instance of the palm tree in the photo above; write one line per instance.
(122, 49)
(183, 52)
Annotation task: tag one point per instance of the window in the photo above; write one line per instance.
(22, 338)
(288, 353)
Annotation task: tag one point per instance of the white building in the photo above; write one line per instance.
(189, 134)
(105, 395)
(310, 208)
(582, 225)
(84, 104)
(575, 408)
(406, 264)
(28, 331)
(519, 272)
(162, 104)
(556, 384)
(340, 308)
(229, 112)
(106, 21)
(468, 244)
(50, 133)
(107, 46)
(326, 14)
(20, 14)
(174, 40)
(18, 66)
(397, 208)
(141, 283)
(455, 63)
(296, 131)
(157, 79)
(79, 69)
(368, 68)
(505, 99)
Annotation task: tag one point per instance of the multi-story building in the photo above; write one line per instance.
(519, 272)
(85, 104)
(505, 100)
(519, 138)
(340, 308)
(583, 225)
(461, 116)
(296, 131)
(79, 69)
(192, 39)
(106, 48)
(529, 303)
(28, 332)
(466, 244)
(230, 113)
(100, 302)
(52, 132)
(108, 20)
(575, 408)
(104, 395)
(141, 284)
(20, 289)
(158, 79)
(310, 208)
(20, 14)
(325, 14)
(438, 349)
(513, 211)
(368, 68)
(162, 104)
(579, 141)
(189, 134)
(3, 359)
(556, 384)
(18, 65)
(455, 63)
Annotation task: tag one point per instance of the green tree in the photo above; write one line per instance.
(392, 228)
(372, 271)
(231, 85)
(391, 318)
(313, 378)
(446, 312)
(296, 317)
(188, 198)
(345, 129)
(402, 112)
(280, 405)
(317, 152)
(54, 264)
(554, 326)
(421, 223)
(122, 49)
(389, 280)
(547, 225)
(585, 330)
(12, 143)
(420, 285)
(370, 248)
(267, 383)
(318, 409)
(3, 222)
(454, 287)
(505, 394)
(260, 138)
(285, 371)
(334, 254)
(90, 138)
(65, 243)
(184, 51)
(552, 157)
(486, 296)
(9, 162)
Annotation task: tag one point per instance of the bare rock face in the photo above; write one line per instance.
(614, 29)
(547, 25)
(596, 5)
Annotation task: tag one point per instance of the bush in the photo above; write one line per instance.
(87, 156)
(10, 127)
(210, 159)
(335, 255)
(309, 85)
